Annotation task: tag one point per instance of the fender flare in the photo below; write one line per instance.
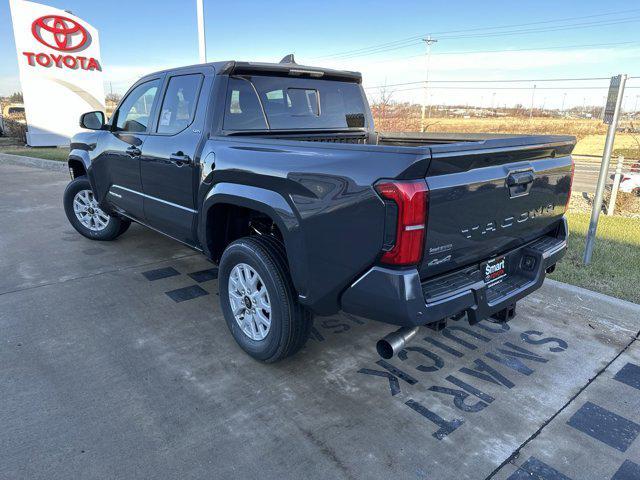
(79, 156)
(277, 208)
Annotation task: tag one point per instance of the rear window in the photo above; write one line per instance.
(283, 103)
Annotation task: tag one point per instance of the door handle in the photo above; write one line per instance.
(519, 178)
(179, 158)
(133, 151)
(520, 183)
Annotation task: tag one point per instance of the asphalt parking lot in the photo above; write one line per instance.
(116, 363)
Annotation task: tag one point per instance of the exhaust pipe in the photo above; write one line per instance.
(388, 346)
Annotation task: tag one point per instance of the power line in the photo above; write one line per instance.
(554, 28)
(519, 80)
(484, 35)
(508, 88)
(409, 41)
(558, 47)
(445, 32)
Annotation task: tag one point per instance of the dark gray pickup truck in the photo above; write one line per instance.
(275, 172)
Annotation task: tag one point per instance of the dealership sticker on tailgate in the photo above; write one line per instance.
(494, 269)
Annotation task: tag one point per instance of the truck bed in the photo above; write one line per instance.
(330, 177)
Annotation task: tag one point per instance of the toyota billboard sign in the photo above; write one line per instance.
(60, 70)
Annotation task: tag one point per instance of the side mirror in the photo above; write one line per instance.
(92, 120)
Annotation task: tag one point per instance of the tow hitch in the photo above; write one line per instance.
(504, 315)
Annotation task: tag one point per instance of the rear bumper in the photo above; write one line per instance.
(399, 298)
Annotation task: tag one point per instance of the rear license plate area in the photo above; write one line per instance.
(494, 269)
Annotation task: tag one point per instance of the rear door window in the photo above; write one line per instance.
(179, 103)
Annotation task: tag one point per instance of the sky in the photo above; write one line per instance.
(477, 40)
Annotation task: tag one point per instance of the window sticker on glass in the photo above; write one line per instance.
(165, 118)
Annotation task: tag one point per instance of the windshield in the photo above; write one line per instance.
(284, 103)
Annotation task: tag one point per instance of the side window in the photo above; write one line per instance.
(179, 103)
(243, 110)
(134, 113)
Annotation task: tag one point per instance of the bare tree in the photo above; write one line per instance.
(385, 100)
(113, 97)
(16, 97)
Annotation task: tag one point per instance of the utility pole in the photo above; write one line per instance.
(564, 97)
(635, 109)
(428, 42)
(533, 96)
(202, 44)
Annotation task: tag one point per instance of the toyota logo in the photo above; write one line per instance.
(59, 33)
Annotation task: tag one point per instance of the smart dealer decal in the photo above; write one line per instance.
(65, 35)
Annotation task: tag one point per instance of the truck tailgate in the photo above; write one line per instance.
(488, 197)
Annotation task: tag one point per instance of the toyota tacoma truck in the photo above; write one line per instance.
(274, 171)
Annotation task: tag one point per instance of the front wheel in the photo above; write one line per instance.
(86, 216)
(258, 299)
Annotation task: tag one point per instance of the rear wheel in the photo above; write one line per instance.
(86, 216)
(258, 300)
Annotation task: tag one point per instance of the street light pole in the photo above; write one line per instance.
(428, 41)
(202, 44)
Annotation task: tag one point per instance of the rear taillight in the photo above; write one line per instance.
(410, 198)
(573, 169)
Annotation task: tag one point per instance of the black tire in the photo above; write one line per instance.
(124, 226)
(290, 322)
(115, 227)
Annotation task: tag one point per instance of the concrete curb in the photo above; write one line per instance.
(598, 297)
(53, 165)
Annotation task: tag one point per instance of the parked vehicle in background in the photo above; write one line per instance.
(630, 182)
(13, 109)
(275, 172)
(13, 121)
